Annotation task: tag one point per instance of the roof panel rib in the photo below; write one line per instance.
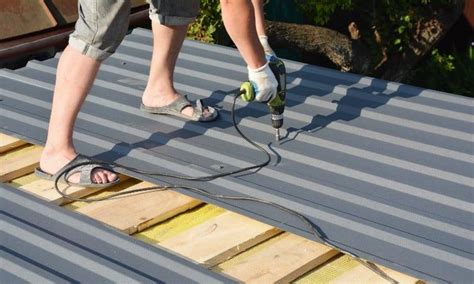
(384, 169)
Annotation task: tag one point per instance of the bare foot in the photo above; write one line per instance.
(164, 100)
(52, 161)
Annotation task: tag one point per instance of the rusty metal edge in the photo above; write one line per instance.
(53, 38)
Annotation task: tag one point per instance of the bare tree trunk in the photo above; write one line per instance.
(351, 55)
(345, 53)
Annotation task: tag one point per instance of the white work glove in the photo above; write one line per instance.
(264, 83)
(266, 46)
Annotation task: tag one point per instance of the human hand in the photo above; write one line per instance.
(264, 83)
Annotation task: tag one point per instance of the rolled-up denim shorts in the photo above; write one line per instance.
(102, 24)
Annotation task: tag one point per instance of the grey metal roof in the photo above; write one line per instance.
(384, 169)
(44, 243)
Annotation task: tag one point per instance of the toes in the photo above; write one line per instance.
(95, 179)
(206, 112)
(100, 177)
(112, 177)
(189, 111)
(109, 176)
(103, 176)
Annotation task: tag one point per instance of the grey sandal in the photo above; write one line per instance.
(179, 104)
(86, 171)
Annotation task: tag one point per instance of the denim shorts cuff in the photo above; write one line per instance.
(172, 20)
(88, 50)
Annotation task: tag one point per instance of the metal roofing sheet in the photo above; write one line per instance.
(43, 243)
(384, 169)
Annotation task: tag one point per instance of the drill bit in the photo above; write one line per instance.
(277, 134)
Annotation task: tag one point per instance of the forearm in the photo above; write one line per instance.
(259, 16)
(239, 20)
(260, 25)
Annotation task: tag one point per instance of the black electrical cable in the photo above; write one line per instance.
(315, 230)
(224, 174)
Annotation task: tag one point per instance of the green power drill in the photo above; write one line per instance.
(277, 105)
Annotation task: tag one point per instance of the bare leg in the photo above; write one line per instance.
(74, 78)
(239, 20)
(167, 42)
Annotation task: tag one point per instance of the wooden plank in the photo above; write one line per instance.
(285, 259)
(220, 238)
(361, 274)
(346, 269)
(329, 271)
(45, 189)
(22, 162)
(137, 212)
(178, 224)
(8, 143)
(24, 180)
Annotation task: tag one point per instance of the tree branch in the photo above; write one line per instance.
(345, 53)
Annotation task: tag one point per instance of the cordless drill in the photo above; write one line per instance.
(277, 104)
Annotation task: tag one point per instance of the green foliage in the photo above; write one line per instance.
(405, 26)
(445, 62)
(208, 24)
(394, 21)
(320, 11)
(452, 73)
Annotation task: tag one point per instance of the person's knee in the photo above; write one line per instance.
(174, 12)
(101, 27)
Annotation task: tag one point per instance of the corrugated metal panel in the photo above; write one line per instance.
(43, 243)
(385, 170)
